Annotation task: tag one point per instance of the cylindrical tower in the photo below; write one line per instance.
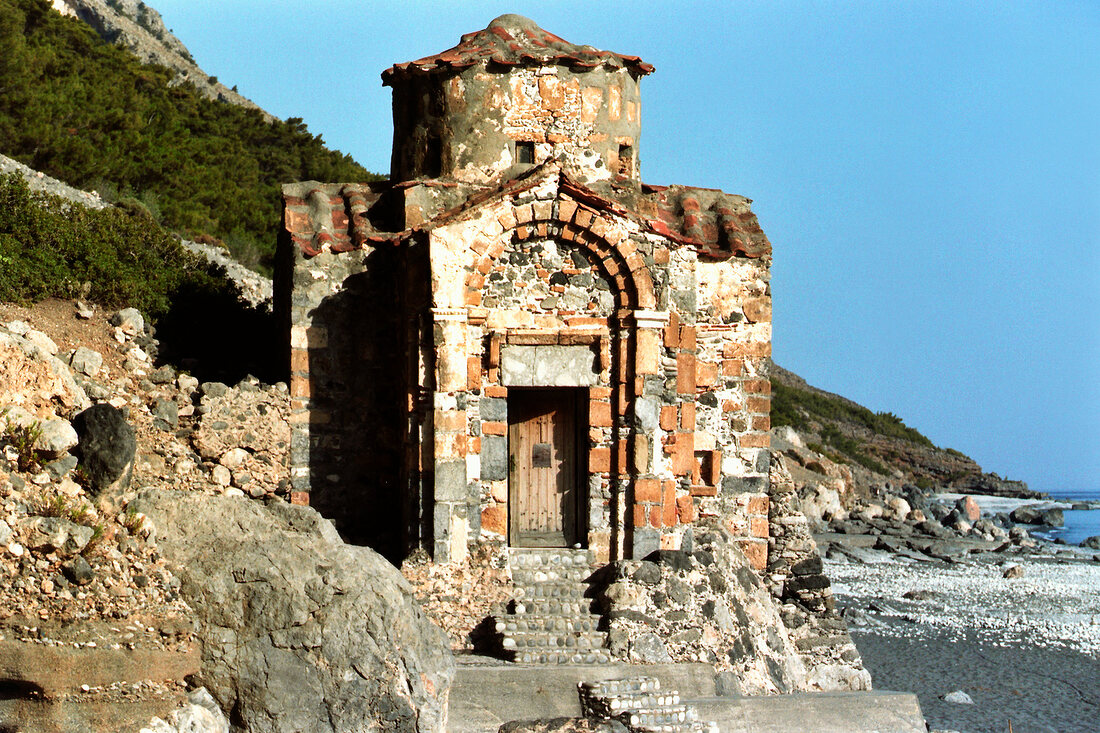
(512, 96)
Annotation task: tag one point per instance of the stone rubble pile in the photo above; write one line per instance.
(797, 579)
(457, 597)
(66, 553)
(96, 438)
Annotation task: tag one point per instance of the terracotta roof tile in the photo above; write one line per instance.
(337, 217)
(512, 40)
(718, 224)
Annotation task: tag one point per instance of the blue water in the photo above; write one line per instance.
(1080, 524)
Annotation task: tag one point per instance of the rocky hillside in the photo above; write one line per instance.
(143, 128)
(828, 440)
(138, 508)
(135, 26)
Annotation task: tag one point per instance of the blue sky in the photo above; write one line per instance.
(928, 174)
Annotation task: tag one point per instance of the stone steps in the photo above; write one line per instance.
(641, 705)
(551, 621)
(551, 589)
(552, 607)
(554, 639)
(561, 656)
(557, 623)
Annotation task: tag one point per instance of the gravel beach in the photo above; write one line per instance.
(1025, 649)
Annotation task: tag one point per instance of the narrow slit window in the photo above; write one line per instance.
(525, 152)
(626, 160)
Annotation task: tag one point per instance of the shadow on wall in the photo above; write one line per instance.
(359, 416)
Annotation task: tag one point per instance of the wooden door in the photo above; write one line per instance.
(545, 491)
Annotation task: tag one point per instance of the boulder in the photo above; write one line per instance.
(78, 571)
(56, 437)
(1093, 543)
(199, 714)
(1052, 517)
(42, 341)
(968, 509)
(86, 361)
(53, 534)
(299, 630)
(958, 697)
(1025, 515)
(107, 446)
(129, 320)
(899, 507)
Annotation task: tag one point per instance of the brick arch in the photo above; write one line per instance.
(569, 221)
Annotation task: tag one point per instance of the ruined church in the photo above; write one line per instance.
(514, 341)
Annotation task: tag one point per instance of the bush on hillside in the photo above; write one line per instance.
(794, 407)
(50, 247)
(90, 114)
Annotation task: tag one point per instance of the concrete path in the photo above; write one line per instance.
(487, 693)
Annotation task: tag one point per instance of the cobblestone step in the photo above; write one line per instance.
(531, 576)
(574, 590)
(560, 656)
(552, 607)
(532, 622)
(641, 705)
(555, 640)
(557, 558)
(603, 688)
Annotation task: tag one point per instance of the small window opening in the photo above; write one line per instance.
(707, 469)
(626, 160)
(525, 152)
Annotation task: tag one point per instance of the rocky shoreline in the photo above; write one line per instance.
(988, 625)
(1016, 635)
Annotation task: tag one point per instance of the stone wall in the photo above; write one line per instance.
(797, 580)
(677, 402)
(350, 403)
(701, 604)
(466, 125)
(403, 354)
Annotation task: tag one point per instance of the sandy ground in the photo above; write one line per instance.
(1026, 649)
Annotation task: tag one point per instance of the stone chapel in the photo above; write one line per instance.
(514, 341)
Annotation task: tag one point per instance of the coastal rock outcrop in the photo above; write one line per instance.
(299, 630)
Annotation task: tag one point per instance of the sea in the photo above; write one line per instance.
(1080, 524)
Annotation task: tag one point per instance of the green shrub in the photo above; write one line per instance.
(23, 439)
(793, 406)
(90, 114)
(49, 247)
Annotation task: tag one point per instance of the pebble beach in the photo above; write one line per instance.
(1025, 649)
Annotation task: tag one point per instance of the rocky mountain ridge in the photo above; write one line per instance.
(135, 26)
(824, 437)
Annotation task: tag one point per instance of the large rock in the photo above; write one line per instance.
(56, 436)
(968, 509)
(1025, 515)
(107, 446)
(299, 630)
